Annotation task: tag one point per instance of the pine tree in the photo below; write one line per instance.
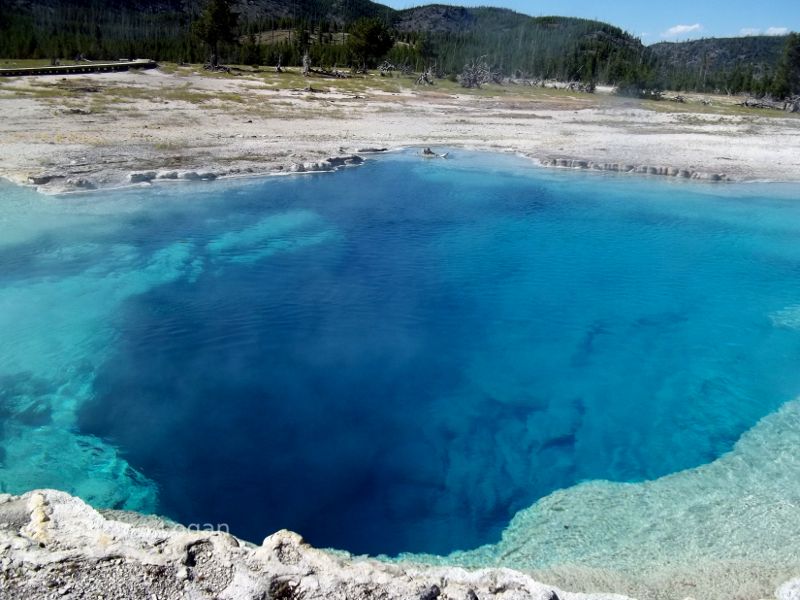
(217, 24)
(787, 78)
(369, 42)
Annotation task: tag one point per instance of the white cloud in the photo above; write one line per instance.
(745, 31)
(777, 31)
(681, 30)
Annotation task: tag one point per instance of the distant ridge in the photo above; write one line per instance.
(760, 53)
(437, 18)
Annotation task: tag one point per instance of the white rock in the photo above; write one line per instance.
(789, 590)
(38, 530)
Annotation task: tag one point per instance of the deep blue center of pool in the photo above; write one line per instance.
(401, 356)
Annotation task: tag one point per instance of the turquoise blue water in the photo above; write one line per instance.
(392, 358)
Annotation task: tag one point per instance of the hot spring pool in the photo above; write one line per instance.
(394, 358)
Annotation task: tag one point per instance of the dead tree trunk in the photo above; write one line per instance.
(790, 104)
(386, 68)
(477, 73)
(427, 76)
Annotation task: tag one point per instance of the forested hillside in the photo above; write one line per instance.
(551, 47)
(272, 29)
(159, 29)
(444, 37)
(728, 64)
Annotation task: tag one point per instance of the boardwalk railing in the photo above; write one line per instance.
(87, 67)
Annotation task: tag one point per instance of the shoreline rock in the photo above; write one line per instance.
(329, 164)
(53, 183)
(64, 183)
(569, 163)
(55, 545)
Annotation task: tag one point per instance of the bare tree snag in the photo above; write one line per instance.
(427, 76)
(477, 73)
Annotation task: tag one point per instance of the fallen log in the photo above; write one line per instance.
(332, 73)
(790, 104)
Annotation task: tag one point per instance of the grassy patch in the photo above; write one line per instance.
(135, 93)
(23, 63)
(292, 79)
(720, 105)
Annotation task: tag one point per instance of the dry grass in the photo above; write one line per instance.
(720, 105)
(332, 98)
(516, 97)
(23, 63)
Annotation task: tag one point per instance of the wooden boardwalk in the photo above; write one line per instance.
(88, 67)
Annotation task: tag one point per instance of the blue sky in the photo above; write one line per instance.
(659, 21)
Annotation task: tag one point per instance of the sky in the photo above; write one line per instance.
(652, 21)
